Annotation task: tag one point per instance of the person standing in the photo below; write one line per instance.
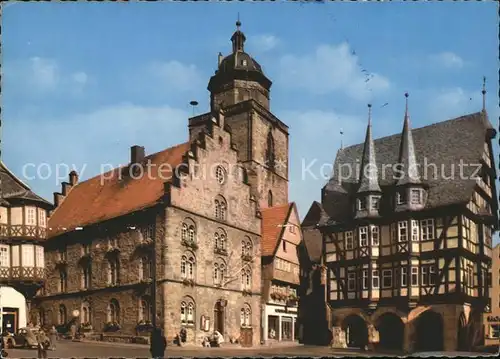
(43, 344)
(158, 344)
(53, 337)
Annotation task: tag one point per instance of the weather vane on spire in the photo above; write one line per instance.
(341, 139)
(238, 22)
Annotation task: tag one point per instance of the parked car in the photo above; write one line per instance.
(24, 338)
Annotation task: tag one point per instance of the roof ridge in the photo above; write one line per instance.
(125, 166)
(417, 129)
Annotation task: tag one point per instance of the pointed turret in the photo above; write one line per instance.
(369, 170)
(410, 189)
(407, 172)
(369, 192)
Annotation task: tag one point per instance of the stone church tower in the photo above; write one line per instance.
(241, 89)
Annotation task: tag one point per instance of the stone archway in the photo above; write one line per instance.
(356, 331)
(219, 316)
(391, 331)
(429, 329)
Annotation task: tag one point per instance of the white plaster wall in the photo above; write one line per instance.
(9, 297)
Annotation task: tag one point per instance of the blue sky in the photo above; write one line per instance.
(85, 81)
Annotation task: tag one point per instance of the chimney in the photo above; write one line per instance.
(137, 154)
(220, 58)
(73, 178)
(58, 198)
(65, 188)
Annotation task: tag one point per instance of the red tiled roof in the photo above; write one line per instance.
(272, 220)
(106, 196)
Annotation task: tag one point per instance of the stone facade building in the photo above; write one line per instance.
(187, 218)
(281, 237)
(408, 235)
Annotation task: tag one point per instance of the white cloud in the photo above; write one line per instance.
(447, 59)
(89, 140)
(329, 69)
(176, 75)
(41, 75)
(80, 77)
(263, 43)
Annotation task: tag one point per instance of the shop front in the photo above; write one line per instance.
(280, 323)
(492, 330)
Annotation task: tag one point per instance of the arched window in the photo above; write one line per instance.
(188, 231)
(63, 280)
(219, 272)
(245, 316)
(188, 262)
(61, 317)
(113, 311)
(187, 311)
(112, 271)
(145, 309)
(145, 267)
(246, 279)
(220, 241)
(86, 316)
(269, 198)
(86, 275)
(246, 248)
(270, 159)
(220, 175)
(220, 208)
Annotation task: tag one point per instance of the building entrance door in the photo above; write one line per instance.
(9, 320)
(219, 317)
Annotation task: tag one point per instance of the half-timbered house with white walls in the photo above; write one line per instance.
(185, 220)
(409, 233)
(281, 236)
(23, 231)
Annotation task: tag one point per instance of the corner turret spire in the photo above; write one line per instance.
(369, 170)
(484, 94)
(238, 38)
(408, 171)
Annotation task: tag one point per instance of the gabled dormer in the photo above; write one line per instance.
(369, 193)
(410, 190)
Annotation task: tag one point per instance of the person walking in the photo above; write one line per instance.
(53, 337)
(43, 344)
(158, 344)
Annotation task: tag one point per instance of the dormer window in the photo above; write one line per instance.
(244, 62)
(361, 204)
(416, 196)
(401, 197)
(375, 203)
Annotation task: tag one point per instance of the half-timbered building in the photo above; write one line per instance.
(409, 233)
(23, 231)
(281, 235)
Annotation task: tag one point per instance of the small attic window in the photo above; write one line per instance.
(361, 204)
(221, 141)
(244, 62)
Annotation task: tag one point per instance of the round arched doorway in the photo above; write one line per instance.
(356, 331)
(391, 331)
(429, 330)
(219, 316)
